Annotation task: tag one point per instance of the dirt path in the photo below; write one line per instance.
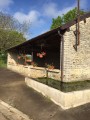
(14, 92)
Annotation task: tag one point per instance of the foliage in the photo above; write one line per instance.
(49, 66)
(11, 31)
(72, 14)
(9, 39)
(60, 20)
(56, 22)
(11, 34)
(34, 64)
(3, 60)
(10, 23)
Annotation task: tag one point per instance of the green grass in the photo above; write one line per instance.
(65, 87)
(3, 60)
(2, 64)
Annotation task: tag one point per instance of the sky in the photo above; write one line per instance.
(39, 12)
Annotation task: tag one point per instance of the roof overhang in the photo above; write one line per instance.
(53, 32)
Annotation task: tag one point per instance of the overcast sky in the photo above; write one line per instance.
(39, 12)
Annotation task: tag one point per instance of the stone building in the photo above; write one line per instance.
(70, 65)
(67, 50)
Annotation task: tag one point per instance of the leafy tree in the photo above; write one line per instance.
(60, 20)
(9, 22)
(9, 39)
(11, 33)
(56, 22)
(71, 15)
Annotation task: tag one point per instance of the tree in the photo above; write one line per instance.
(72, 14)
(9, 22)
(56, 22)
(11, 31)
(9, 39)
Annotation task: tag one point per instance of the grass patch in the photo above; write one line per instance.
(3, 60)
(2, 64)
(65, 87)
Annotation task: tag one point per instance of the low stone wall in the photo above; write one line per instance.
(34, 72)
(65, 100)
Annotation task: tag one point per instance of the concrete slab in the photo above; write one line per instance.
(8, 112)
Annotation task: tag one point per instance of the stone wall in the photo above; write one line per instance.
(34, 72)
(77, 64)
(29, 70)
(12, 59)
(65, 100)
